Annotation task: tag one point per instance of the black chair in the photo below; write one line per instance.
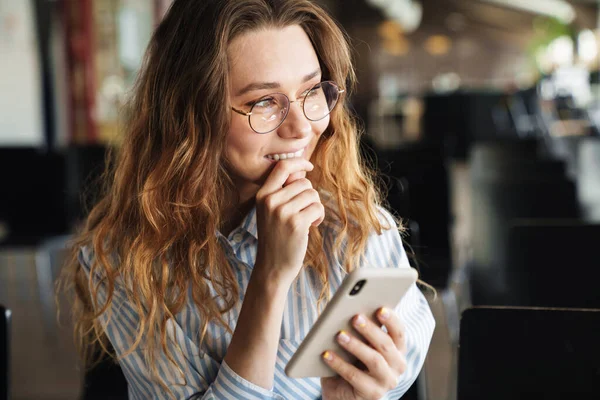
(459, 119)
(553, 263)
(5, 353)
(420, 168)
(520, 353)
(85, 166)
(105, 381)
(495, 205)
(32, 202)
(42, 190)
(510, 179)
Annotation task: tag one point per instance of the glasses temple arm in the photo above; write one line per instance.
(247, 114)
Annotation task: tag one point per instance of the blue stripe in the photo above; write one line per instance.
(134, 364)
(286, 386)
(289, 352)
(300, 312)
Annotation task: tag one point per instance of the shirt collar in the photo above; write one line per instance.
(249, 223)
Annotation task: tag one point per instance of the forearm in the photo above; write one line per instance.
(253, 349)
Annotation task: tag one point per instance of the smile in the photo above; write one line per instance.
(285, 156)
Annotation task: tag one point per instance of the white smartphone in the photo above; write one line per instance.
(363, 291)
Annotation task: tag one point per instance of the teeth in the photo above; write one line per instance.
(285, 156)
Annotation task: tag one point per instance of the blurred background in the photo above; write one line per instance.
(482, 116)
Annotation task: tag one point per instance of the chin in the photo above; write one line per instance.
(261, 175)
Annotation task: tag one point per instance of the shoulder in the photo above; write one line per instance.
(85, 257)
(93, 267)
(386, 248)
(381, 247)
(333, 224)
(387, 220)
(333, 220)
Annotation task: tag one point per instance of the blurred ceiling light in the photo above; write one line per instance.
(389, 29)
(378, 3)
(560, 9)
(438, 45)
(408, 13)
(397, 47)
(446, 82)
(587, 46)
(561, 51)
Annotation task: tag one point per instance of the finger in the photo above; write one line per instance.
(394, 326)
(294, 177)
(319, 212)
(371, 358)
(299, 202)
(310, 215)
(280, 174)
(359, 380)
(314, 213)
(381, 341)
(287, 193)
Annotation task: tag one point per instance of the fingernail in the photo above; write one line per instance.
(327, 356)
(384, 313)
(343, 337)
(360, 321)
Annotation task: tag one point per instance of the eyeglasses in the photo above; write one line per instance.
(269, 112)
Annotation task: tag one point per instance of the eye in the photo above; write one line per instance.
(313, 92)
(263, 104)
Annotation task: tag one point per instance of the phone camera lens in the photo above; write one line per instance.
(357, 287)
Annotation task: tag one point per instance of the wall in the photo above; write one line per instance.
(20, 86)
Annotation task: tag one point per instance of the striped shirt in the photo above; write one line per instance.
(207, 376)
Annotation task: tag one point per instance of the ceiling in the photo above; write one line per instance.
(500, 24)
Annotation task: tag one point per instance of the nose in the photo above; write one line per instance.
(296, 125)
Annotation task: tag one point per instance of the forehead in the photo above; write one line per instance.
(282, 55)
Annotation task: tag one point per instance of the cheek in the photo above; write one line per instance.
(239, 138)
(319, 128)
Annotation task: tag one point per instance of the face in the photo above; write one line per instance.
(262, 63)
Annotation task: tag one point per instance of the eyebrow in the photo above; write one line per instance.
(273, 85)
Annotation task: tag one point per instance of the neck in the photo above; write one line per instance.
(235, 213)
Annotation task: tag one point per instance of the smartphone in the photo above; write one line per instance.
(363, 291)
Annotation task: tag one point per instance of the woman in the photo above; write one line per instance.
(237, 205)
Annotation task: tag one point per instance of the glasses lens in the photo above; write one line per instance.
(320, 100)
(269, 112)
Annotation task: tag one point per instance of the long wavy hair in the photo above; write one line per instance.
(153, 231)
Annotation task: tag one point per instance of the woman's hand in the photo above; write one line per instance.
(384, 360)
(286, 207)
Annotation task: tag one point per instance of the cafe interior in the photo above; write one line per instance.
(481, 117)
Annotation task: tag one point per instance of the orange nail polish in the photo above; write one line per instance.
(384, 313)
(360, 321)
(343, 337)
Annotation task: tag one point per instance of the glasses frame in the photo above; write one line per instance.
(302, 100)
